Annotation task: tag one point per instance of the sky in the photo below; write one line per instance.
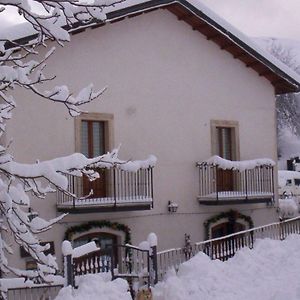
(261, 18)
(256, 18)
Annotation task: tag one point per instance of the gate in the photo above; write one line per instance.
(123, 261)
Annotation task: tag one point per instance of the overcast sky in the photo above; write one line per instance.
(274, 18)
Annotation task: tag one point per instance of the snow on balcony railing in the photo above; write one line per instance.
(221, 179)
(115, 188)
(238, 165)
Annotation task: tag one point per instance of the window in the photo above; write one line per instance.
(226, 228)
(225, 139)
(94, 138)
(224, 142)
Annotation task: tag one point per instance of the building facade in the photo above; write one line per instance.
(173, 92)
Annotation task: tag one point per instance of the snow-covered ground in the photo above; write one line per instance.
(96, 286)
(268, 272)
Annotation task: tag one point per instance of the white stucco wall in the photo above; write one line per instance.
(165, 83)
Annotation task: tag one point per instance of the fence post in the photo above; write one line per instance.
(154, 269)
(115, 186)
(217, 182)
(246, 183)
(69, 274)
(67, 251)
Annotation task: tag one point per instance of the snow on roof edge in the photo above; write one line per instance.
(244, 38)
(228, 29)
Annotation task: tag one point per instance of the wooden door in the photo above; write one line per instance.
(226, 228)
(92, 145)
(224, 180)
(98, 186)
(225, 249)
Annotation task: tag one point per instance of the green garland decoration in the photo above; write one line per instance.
(230, 215)
(98, 224)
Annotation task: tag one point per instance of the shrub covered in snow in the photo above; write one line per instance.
(288, 208)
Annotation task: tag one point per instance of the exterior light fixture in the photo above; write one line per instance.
(172, 207)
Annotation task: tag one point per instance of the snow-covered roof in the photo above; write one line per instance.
(284, 175)
(207, 22)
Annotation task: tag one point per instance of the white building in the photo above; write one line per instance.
(182, 85)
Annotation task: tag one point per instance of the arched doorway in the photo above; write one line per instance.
(105, 233)
(105, 241)
(226, 223)
(226, 228)
(102, 239)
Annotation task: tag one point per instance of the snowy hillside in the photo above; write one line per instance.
(288, 106)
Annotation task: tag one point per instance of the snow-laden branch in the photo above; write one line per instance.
(49, 21)
(54, 171)
(24, 69)
(24, 178)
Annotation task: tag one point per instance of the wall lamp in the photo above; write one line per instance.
(172, 207)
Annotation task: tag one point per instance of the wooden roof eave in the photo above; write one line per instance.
(234, 46)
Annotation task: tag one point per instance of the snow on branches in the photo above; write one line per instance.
(23, 69)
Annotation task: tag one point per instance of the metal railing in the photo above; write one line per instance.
(91, 263)
(131, 262)
(118, 188)
(44, 292)
(169, 259)
(225, 247)
(218, 184)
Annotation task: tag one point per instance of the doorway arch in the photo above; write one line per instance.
(232, 220)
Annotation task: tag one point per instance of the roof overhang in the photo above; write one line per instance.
(227, 40)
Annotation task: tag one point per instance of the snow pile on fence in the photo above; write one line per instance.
(268, 272)
(67, 249)
(21, 282)
(96, 286)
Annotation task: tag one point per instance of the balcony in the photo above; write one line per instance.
(224, 182)
(115, 190)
